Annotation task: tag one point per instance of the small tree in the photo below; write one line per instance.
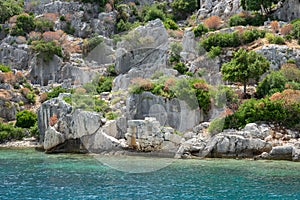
(182, 8)
(26, 119)
(255, 5)
(245, 66)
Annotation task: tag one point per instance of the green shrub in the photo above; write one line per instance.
(274, 39)
(9, 132)
(200, 30)
(221, 40)
(10, 8)
(4, 68)
(180, 67)
(154, 13)
(273, 82)
(170, 24)
(183, 8)
(46, 50)
(249, 36)
(54, 92)
(295, 21)
(223, 96)
(237, 20)
(253, 110)
(26, 119)
(111, 115)
(214, 52)
(24, 24)
(62, 18)
(123, 26)
(111, 70)
(291, 72)
(175, 50)
(104, 84)
(295, 32)
(34, 130)
(43, 25)
(216, 126)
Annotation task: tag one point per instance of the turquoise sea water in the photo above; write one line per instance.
(27, 174)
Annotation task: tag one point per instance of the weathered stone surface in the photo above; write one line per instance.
(141, 53)
(289, 10)
(15, 56)
(189, 46)
(82, 126)
(169, 112)
(282, 153)
(219, 8)
(279, 54)
(235, 146)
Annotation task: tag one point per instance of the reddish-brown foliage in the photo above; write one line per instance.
(7, 77)
(291, 72)
(288, 97)
(286, 29)
(202, 86)
(145, 84)
(25, 91)
(274, 26)
(43, 97)
(53, 120)
(51, 36)
(213, 22)
(50, 16)
(169, 83)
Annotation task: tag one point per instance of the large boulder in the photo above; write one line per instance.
(141, 53)
(282, 153)
(63, 129)
(169, 112)
(288, 11)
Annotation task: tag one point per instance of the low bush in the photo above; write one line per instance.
(46, 50)
(268, 110)
(180, 67)
(26, 119)
(43, 25)
(154, 13)
(224, 96)
(111, 115)
(221, 40)
(216, 126)
(213, 22)
(54, 92)
(104, 84)
(170, 24)
(273, 82)
(4, 68)
(234, 39)
(251, 35)
(237, 20)
(200, 30)
(25, 24)
(9, 132)
(175, 50)
(10, 8)
(295, 32)
(274, 39)
(291, 72)
(214, 52)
